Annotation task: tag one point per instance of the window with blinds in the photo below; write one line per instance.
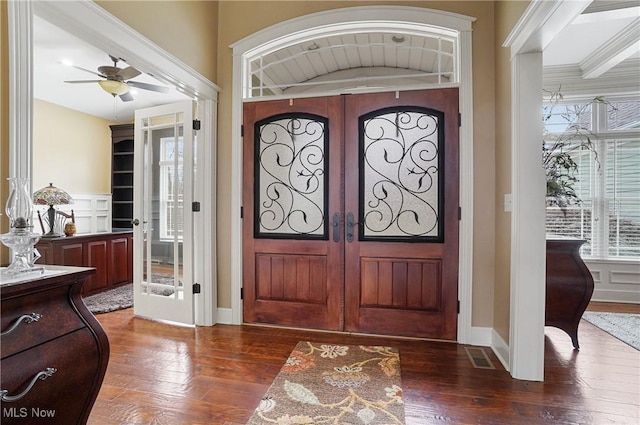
(171, 193)
(608, 180)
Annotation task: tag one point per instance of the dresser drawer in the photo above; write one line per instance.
(56, 317)
(60, 398)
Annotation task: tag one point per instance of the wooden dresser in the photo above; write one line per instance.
(569, 286)
(54, 351)
(110, 253)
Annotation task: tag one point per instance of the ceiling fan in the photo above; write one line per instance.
(116, 81)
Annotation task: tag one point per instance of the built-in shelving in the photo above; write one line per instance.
(122, 176)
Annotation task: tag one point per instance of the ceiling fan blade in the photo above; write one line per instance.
(145, 86)
(128, 73)
(82, 81)
(126, 97)
(87, 70)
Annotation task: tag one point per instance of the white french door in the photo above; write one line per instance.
(164, 175)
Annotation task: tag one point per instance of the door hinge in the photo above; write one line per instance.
(196, 288)
(241, 212)
(458, 307)
(196, 124)
(195, 206)
(459, 213)
(242, 293)
(459, 119)
(242, 131)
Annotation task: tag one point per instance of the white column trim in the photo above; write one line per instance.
(465, 240)
(206, 303)
(236, 189)
(535, 29)
(20, 88)
(528, 246)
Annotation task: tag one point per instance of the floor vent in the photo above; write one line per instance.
(479, 358)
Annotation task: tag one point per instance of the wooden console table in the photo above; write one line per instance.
(110, 253)
(54, 351)
(569, 286)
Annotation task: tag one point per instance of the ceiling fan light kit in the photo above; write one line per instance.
(113, 87)
(117, 81)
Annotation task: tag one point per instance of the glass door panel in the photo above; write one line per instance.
(167, 153)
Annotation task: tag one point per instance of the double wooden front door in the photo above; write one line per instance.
(351, 213)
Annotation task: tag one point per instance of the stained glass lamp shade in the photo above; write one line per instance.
(51, 196)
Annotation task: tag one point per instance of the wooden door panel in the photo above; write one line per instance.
(401, 284)
(398, 280)
(288, 278)
(299, 278)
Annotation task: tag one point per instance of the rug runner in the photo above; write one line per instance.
(121, 297)
(335, 384)
(623, 326)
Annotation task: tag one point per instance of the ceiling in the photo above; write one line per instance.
(52, 46)
(605, 35)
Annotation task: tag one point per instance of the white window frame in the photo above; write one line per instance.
(599, 203)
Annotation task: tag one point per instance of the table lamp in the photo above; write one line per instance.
(51, 196)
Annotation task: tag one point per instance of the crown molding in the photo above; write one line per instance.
(614, 51)
(624, 79)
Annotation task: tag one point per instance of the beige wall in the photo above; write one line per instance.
(507, 14)
(186, 29)
(71, 149)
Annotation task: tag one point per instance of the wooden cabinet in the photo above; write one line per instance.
(50, 339)
(122, 176)
(110, 253)
(569, 286)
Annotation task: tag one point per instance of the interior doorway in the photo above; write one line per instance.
(351, 213)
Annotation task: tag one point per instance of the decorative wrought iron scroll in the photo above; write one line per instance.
(401, 187)
(291, 177)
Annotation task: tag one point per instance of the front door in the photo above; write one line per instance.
(164, 173)
(351, 213)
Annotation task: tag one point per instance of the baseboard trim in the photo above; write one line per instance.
(500, 348)
(627, 297)
(224, 316)
(480, 336)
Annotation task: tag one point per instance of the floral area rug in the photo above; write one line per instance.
(335, 384)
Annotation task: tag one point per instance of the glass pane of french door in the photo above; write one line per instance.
(162, 274)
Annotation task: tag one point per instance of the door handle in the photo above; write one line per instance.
(350, 224)
(135, 222)
(336, 227)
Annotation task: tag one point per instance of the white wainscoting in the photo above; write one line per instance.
(615, 281)
(92, 213)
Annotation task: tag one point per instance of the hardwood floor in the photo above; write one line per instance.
(168, 375)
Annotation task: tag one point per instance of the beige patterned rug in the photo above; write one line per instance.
(335, 384)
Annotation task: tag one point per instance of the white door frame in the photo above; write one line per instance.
(537, 27)
(364, 18)
(90, 22)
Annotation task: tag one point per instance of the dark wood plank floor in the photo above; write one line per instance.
(167, 375)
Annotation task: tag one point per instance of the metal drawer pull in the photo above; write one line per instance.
(27, 318)
(42, 375)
